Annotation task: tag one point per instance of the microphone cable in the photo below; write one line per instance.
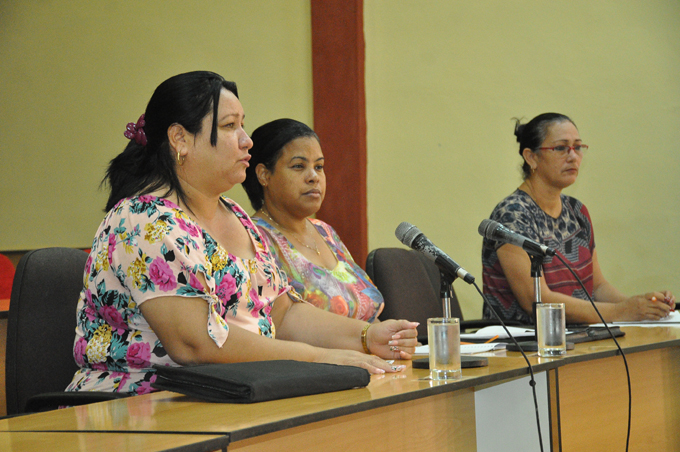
(623, 355)
(532, 381)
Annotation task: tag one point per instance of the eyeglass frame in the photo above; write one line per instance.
(583, 147)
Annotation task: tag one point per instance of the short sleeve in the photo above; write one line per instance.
(155, 250)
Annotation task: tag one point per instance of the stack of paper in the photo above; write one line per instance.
(497, 331)
(466, 349)
(672, 319)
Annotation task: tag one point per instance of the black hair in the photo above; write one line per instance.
(184, 99)
(268, 142)
(532, 134)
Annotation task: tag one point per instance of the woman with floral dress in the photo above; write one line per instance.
(286, 184)
(179, 275)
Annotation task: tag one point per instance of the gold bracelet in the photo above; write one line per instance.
(364, 333)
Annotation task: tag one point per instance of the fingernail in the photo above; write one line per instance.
(396, 336)
(392, 343)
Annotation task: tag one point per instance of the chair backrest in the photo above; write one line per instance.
(41, 324)
(409, 282)
(6, 276)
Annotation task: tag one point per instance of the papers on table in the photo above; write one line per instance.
(672, 319)
(493, 331)
(466, 349)
(478, 348)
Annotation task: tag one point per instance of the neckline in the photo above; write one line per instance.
(226, 202)
(540, 208)
(279, 233)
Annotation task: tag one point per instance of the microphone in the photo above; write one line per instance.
(493, 230)
(411, 236)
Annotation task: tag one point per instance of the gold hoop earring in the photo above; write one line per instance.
(180, 159)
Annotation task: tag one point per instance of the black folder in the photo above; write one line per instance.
(258, 381)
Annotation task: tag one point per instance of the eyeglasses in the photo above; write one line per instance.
(564, 149)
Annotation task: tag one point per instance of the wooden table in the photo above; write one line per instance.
(87, 441)
(587, 403)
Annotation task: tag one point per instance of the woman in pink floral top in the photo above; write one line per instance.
(179, 275)
(344, 289)
(286, 185)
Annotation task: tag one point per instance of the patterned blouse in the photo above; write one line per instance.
(571, 235)
(148, 247)
(346, 290)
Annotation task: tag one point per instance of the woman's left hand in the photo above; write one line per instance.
(393, 339)
(669, 299)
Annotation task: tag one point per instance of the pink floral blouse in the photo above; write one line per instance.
(345, 290)
(145, 248)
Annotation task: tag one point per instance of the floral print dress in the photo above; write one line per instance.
(345, 290)
(148, 247)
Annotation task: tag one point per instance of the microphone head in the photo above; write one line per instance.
(486, 228)
(406, 232)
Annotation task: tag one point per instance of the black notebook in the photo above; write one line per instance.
(258, 381)
(592, 333)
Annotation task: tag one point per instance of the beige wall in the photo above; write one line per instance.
(444, 79)
(74, 73)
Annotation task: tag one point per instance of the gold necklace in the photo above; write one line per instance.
(315, 249)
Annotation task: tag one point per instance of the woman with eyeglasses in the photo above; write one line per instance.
(552, 150)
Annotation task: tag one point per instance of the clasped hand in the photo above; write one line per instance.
(393, 339)
(650, 306)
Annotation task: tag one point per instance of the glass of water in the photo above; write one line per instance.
(443, 338)
(551, 329)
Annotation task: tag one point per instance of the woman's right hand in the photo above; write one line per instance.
(649, 306)
(372, 363)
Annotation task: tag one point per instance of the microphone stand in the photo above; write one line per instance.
(445, 292)
(536, 266)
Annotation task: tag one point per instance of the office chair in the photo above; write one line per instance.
(41, 330)
(410, 285)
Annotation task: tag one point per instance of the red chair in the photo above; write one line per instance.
(6, 277)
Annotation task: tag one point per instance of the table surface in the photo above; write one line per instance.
(174, 413)
(88, 441)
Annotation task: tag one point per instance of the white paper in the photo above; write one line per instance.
(479, 348)
(497, 330)
(672, 319)
(466, 349)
